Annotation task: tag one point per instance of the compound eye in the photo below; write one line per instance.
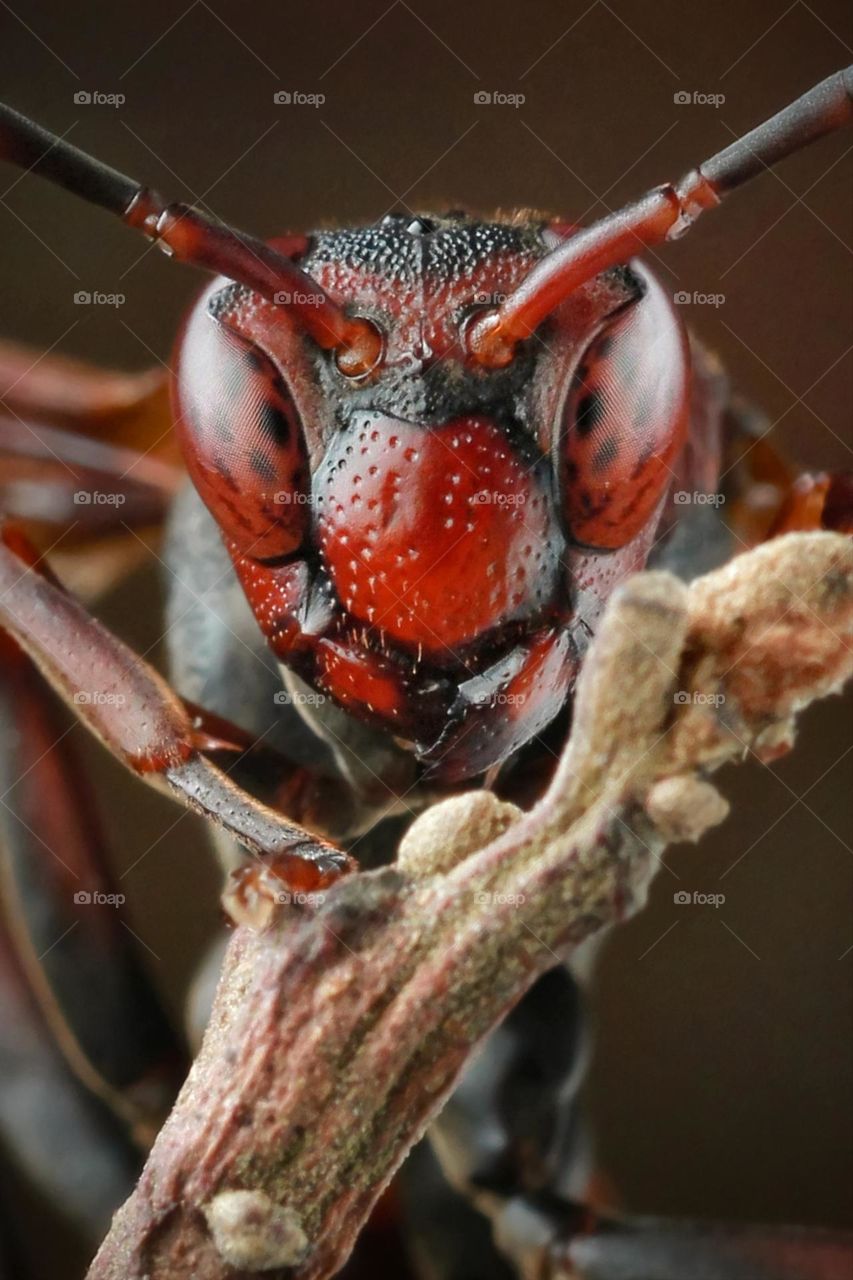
(242, 439)
(624, 421)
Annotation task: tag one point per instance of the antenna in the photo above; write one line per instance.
(188, 234)
(662, 214)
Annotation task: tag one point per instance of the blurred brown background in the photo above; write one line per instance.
(723, 1077)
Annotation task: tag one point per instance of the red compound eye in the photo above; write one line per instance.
(624, 422)
(242, 438)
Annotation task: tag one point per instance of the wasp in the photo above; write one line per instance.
(417, 458)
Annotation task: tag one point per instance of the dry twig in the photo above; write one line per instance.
(337, 1035)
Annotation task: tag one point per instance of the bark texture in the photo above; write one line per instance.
(337, 1034)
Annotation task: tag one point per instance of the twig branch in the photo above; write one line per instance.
(337, 1035)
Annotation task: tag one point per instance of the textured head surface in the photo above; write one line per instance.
(409, 539)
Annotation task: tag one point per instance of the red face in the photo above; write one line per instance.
(430, 544)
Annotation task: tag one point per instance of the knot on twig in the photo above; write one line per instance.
(447, 832)
(684, 808)
(253, 1233)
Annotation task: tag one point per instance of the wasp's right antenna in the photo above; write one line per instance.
(659, 215)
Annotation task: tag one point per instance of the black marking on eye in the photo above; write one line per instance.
(261, 465)
(606, 453)
(591, 410)
(255, 359)
(273, 425)
(221, 428)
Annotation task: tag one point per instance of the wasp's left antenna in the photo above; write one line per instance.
(662, 214)
(187, 233)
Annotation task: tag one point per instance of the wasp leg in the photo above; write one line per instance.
(766, 495)
(126, 704)
(733, 487)
(514, 1131)
(131, 409)
(88, 1063)
(511, 1125)
(59, 907)
(561, 1242)
(51, 477)
(449, 1239)
(820, 501)
(61, 1148)
(83, 449)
